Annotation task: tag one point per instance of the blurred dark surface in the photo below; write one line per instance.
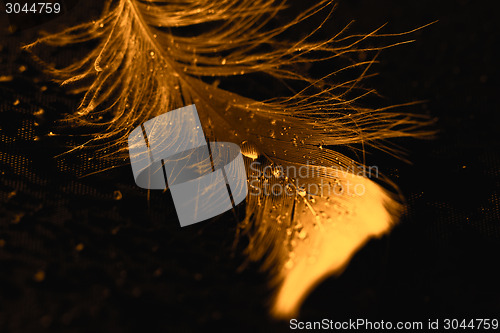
(93, 254)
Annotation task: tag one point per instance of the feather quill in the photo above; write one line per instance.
(143, 66)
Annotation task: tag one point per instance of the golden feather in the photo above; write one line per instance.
(143, 66)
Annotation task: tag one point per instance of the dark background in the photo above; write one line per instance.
(77, 256)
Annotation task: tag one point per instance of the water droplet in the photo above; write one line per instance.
(302, 234)
(302, 192)
(117, 195)
(278, 172)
